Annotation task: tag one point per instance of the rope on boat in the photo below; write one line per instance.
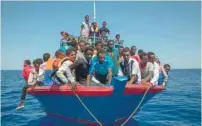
(86, 107)
(131, 115)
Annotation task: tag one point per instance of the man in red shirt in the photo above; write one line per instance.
(27, 69)
(133, 53)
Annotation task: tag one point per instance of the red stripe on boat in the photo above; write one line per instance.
(91, 90)
(74, 119)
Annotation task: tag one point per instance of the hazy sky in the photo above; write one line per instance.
(170, 29)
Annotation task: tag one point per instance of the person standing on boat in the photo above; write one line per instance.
(104, 31)
(130, 68)
(151, 58)
(64, 74)
(133, 54)
(117, 41)
(100, 68)
(114, 54)
(32, 79)
(82, 45)
(81, 66)
(65, 42)
(94, 32)
(85, 28)
(146, 69)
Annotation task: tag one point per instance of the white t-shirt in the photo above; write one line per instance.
(85, 29)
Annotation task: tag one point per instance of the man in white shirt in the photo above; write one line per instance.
(129, 67)
(151, 59)
(85, 27)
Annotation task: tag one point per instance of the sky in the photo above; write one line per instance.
(171, 30)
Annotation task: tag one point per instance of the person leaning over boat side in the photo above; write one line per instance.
(100, 68)
(32, 79)
(133, 54)
(104, 31)
(26, 70)
(113, 53)
(130, 68)
(64, 74)
(163, 76)
(151, 58)
(85, 28)
(42, 67)
(81, 66)
(146, 69)
(79, 54)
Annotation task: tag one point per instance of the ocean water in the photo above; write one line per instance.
(178, 105)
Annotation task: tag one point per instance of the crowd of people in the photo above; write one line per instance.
(78, 62)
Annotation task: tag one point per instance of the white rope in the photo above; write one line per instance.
(86, 107)
(131, 115)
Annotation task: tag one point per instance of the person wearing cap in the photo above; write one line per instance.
(85, 28)
(104, 31)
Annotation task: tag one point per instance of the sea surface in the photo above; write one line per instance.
(178, 105)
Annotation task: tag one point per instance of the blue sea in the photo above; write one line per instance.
(178, 105)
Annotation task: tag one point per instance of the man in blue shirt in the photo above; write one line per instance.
(100, 68)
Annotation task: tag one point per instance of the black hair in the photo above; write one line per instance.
(101, 50)
(38, 61)
(58, 52)
(27, 62)
(46, 56)
(166, 65)
(70, 51)
(143, 54)
(150, 53)
(87, 49)
(140, 51)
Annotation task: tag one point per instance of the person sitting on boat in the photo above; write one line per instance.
(85, 28)
(65, 42)
(100, 68)
(117, 41)
(81, 66)
(134, 55)
(26, 70)
(98, 45)
(64, 74)
(146, 69)
(104, 31)
(130, 68)
(163, 76)
(114, 54)
(32, 79)
(40, 77)
(79, 54)
(151, 58)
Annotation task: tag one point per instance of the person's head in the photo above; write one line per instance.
(126, 54)
(59, 54)
(94, 24)
(151, 57)
(26, 63)
(110, 44)
(101, 55)
(104, 24)
(63, 33)
(144, 58)
(117, 36)
(140, 51)
(98, 45)
(88, 53)
(37, 63)
(167, 67)
(46, 56)
(121, 50)
(158, 61)
(86, 18)
(82, 45)
(71, 54)
(87, 44)
(133, 50)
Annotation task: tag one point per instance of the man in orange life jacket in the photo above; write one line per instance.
(64, 73)
(130, 68)
(146, 69)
